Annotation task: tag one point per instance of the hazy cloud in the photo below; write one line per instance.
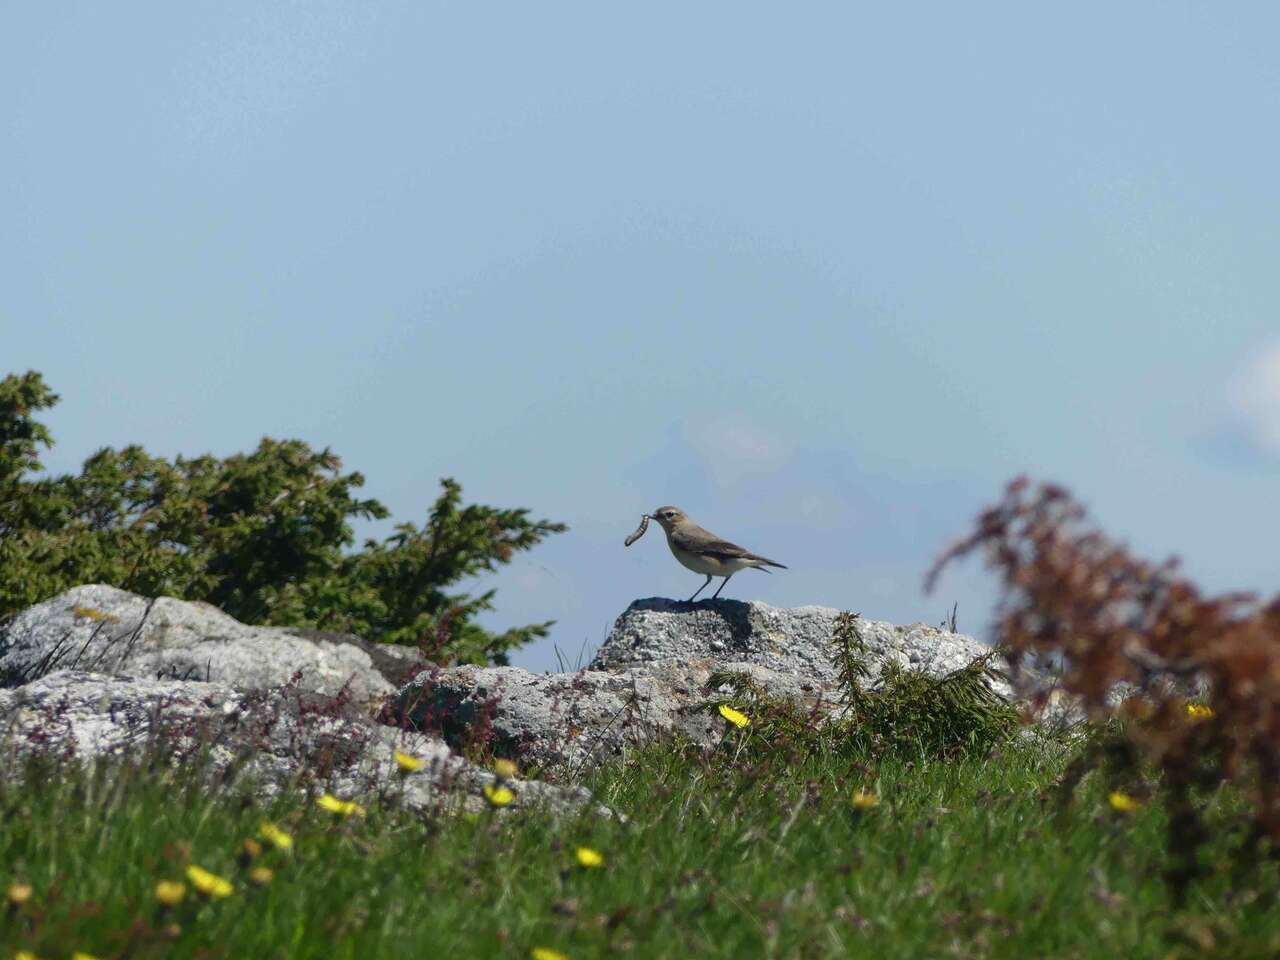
(732, 449)
(1254, 399)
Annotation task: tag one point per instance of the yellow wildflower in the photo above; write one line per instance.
(170, 892)
(408, 763)
(344, 808)
(499, 796)
(506, 769)
(1199, 711)
(739, 720)
(81, 955)
(18, 893)
(24, 955)
(262, 875)
(864, 800)
(250, 848)
(1123, 802)
(210, 884)
(546, 953)
(589, 858)
(275, 836)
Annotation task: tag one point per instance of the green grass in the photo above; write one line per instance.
(742, 856)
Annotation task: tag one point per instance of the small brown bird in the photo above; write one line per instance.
(703, 552)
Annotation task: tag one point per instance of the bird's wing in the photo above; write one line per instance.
(723, 548)
(697, 540)
(729, 551)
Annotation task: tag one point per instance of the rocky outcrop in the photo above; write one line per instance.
(271, 740)
(97, 671)
(795, 641)
(564, 722)
(652, 678)
(106, 630)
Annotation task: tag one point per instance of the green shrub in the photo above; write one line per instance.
(903, 713)
(265, 536)
(905, 710)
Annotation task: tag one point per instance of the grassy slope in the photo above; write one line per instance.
(961, 858)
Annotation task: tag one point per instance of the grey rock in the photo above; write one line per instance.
(106, 630)
(795, 641)
(566, 722)
(650, 679)
(268, 740)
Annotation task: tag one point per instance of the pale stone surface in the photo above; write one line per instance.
(106, 630)
(569, 721)
(789, 640)
(278, 739)
(650, 679)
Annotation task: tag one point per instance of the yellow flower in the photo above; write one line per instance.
(408, 763)
(1199, 711)
(275, 836)
(81, 955)
(19, 893)
(170, 892)
(739, 720)
(1122, 802)
(344, 808)
(506, 769)
(250, 848)
(499, 796)
(589, 858)
(24, 955)
(210, 884)
(546, 953)
(262, 875)
(863, 800)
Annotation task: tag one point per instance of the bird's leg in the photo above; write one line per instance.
(721, 587)
(700, 589)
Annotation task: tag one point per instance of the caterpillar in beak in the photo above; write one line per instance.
(644, 525)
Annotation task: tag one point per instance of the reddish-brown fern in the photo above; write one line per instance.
(1070, 594)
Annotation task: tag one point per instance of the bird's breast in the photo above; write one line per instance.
(707, 565)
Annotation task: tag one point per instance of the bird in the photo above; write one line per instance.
(703, 552)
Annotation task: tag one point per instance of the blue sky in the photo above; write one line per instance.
(827, 276)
